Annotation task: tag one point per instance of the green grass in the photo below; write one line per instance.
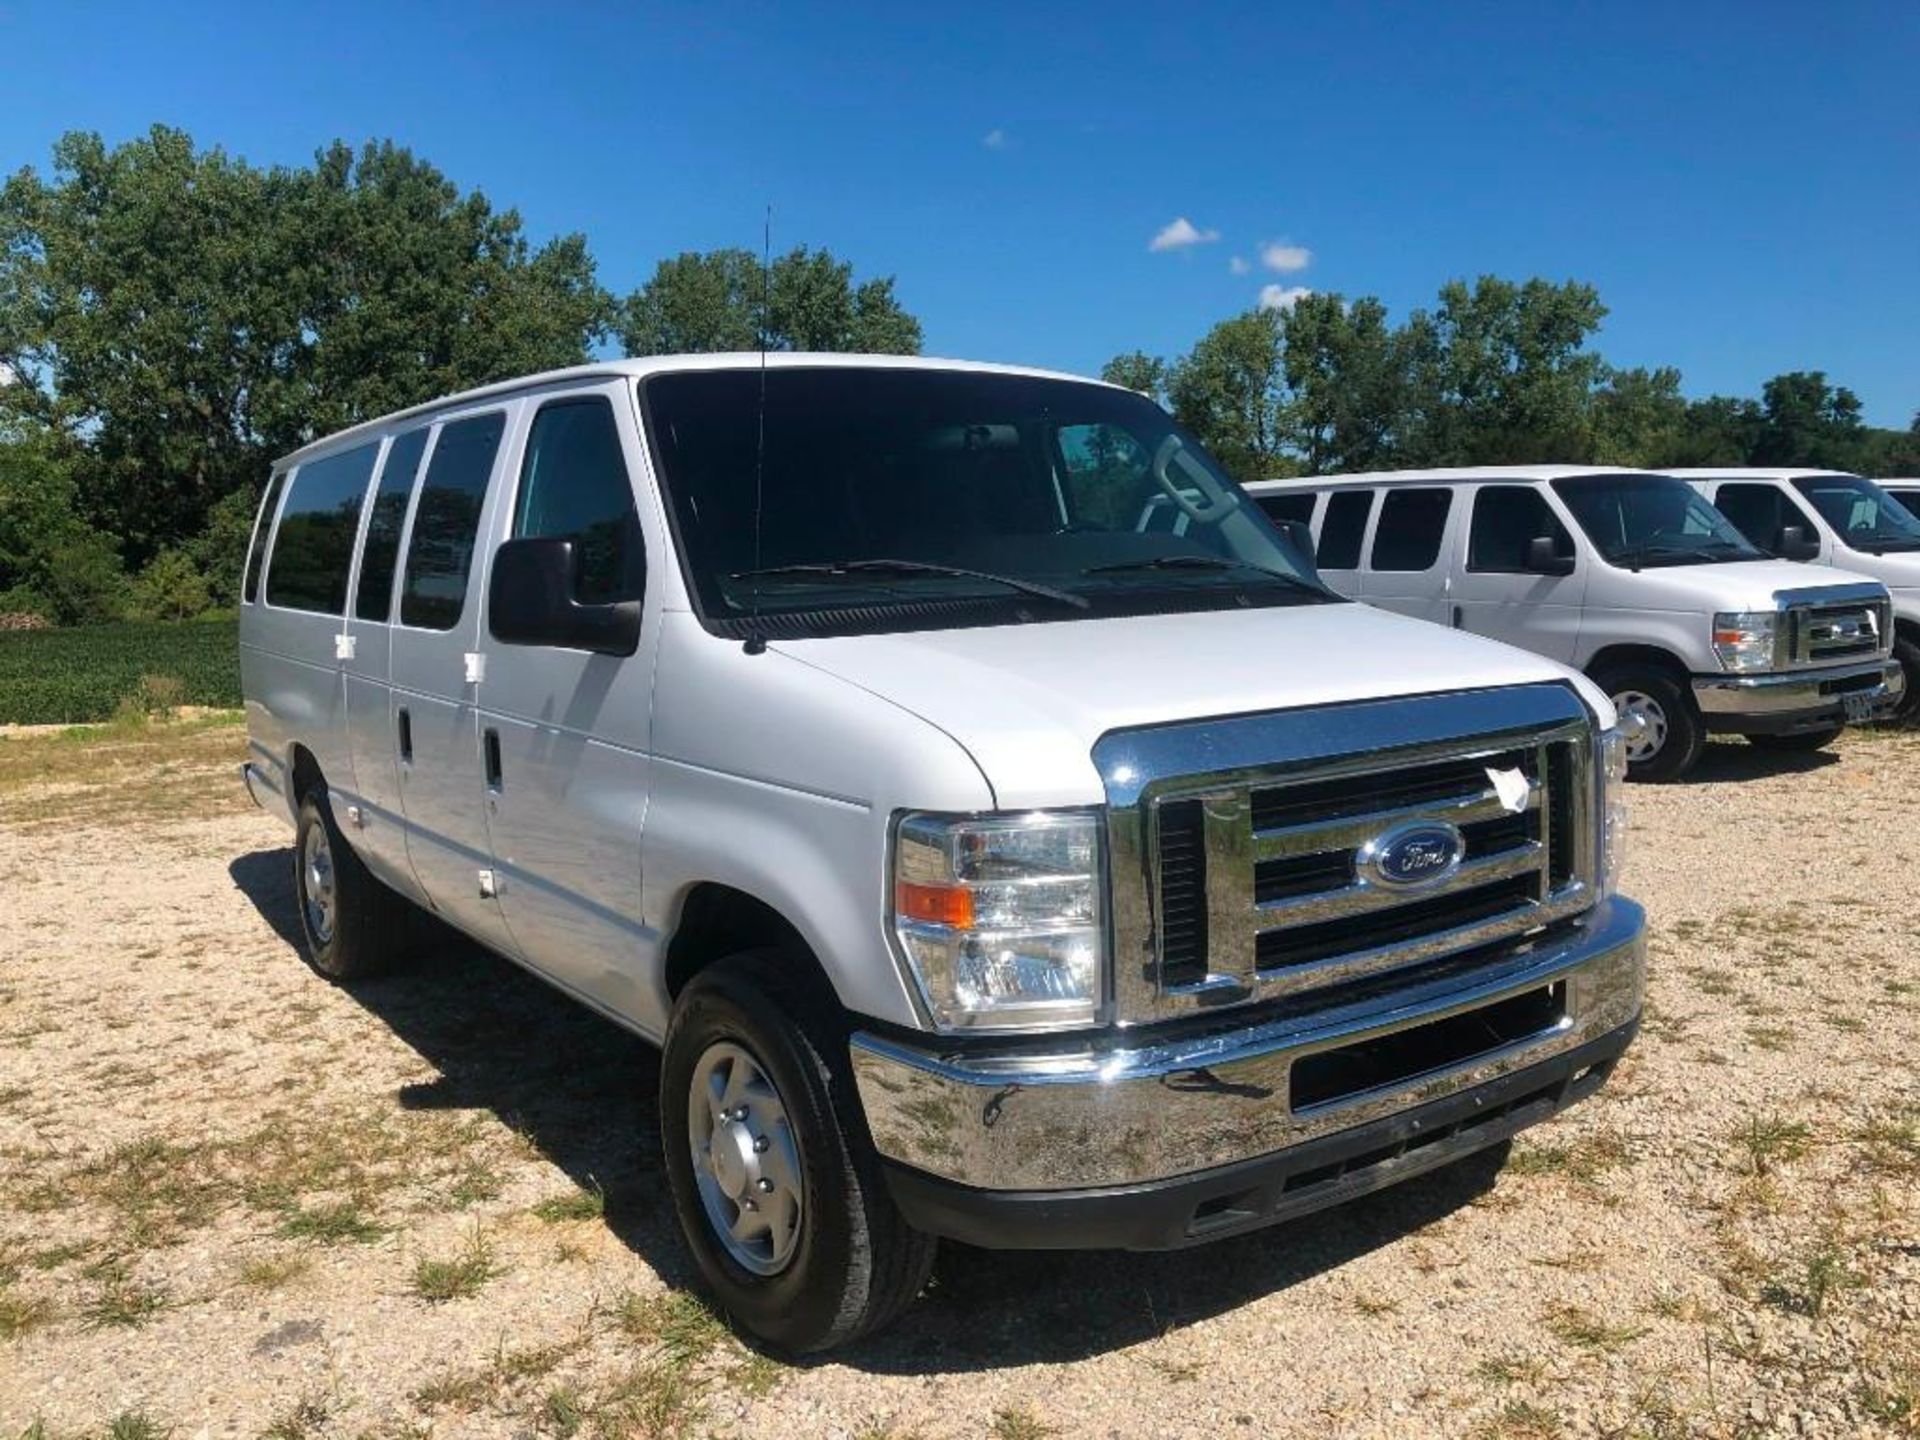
(80, 676)
(458, 1276)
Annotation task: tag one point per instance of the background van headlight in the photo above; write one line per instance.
(999, 917)
(1746, 639)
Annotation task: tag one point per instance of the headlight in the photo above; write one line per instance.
(1612, 746)
(1744, 639)
(999, 917)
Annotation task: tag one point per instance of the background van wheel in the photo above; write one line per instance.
(1662, 726)
(354, 925)
(776, 1185)
(1805, 743)
(1906, 650)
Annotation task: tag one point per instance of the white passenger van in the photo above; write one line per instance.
(1627, 576)
(1837, 519)
(984, 867)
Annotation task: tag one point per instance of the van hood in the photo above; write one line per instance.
(1731, 585)
(1029, 701)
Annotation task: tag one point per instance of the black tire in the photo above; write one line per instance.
(1805, 743)
(366, 929)
(1650, 690)
(1906, 649)
(854, 1262)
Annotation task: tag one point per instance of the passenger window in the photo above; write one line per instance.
(1506, 520)
(313, 548)
(1411, 525)
(1908, 498)
(1343, 529)
(1761, 513)
(262, 527)
(445, 520)
(574, 486)
(381, 550)
(1281, 508)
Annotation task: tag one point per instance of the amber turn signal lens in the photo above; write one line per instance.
(934, 904)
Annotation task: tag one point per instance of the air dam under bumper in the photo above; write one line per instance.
(1796, 700)
(1171, 1142)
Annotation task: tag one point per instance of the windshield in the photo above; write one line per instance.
(1638, 521)
(906, 498)
(1864, 516)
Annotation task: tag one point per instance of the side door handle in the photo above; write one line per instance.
(404, 723)
(490, 743)
(1459, 615)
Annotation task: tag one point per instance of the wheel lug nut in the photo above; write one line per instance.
(766, 1186)
(760, 1144)
(749, 1204)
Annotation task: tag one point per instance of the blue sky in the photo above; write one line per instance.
(1741, 181)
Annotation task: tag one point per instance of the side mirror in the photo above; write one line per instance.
(1795, 544)
(530, 602)
(1543, 559)
(1299, 535)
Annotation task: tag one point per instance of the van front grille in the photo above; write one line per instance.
(1824, 634)
(1287, 877)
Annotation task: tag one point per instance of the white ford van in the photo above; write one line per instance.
(982, 865)
(1838, 519)
(1625, 575)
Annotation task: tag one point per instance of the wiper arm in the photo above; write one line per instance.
(1193, 562)
(834, 569)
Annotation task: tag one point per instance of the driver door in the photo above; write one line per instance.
(1498, 594)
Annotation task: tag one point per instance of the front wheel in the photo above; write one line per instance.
(777, 1188)
(1804, 743)
(1906, 650)
(1662, 727)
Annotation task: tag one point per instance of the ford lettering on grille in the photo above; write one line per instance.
(1412, 855)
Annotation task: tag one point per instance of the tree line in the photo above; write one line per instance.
(172, 318)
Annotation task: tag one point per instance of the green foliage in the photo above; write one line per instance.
(171, 588)
(1230, 390)
(722, 300)
(1806, 421)
(69, 677)
(219, 552)
(1349, 371)
(1139, 371)
(51, 563)
(181, 317)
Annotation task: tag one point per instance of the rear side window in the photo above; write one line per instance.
(1907, 497)
(1281, 508)
(445, 521)
(1761, 512)
(1412, 523)
(574, 486)
(1506, 520)
(313, 548)
(381, 550)
(250, 587)
(1343, 528)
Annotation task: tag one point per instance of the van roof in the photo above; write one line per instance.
(641, 365)
(1460, 472)
(1749, 472)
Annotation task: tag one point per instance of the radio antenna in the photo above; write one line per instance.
(757, 642)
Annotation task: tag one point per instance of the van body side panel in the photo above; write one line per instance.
(572, 731)
(1541, 613)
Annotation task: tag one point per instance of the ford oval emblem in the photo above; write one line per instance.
(1407, 856)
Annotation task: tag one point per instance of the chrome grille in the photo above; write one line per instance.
(1821, 634)
(1246, 880)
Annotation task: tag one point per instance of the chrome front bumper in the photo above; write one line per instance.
(1040, 1118)
(1795, 692)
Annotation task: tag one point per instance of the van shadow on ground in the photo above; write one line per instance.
(583, 1091)
(1734, 762)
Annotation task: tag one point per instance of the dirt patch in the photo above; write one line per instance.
(235, 1200)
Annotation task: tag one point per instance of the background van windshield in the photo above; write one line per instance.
(1862, 514)
(1645, 520)
(1047, 489)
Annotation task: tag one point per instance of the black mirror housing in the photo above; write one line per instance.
(1544, 559)
(1795, 544)
(530, 602)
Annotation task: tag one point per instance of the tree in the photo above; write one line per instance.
(1137, 370)
(51, 562)
(806, 300)
(1500, 375)
(1639, 418)
(1230, 391)
(1348, 371)
(1806, 421)
(1719, 430)
(183, 316)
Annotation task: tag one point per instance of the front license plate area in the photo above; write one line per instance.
(1860, 707)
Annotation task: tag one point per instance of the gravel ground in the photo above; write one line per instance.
(235, 1200)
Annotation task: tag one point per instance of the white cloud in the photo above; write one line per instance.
(997, 139)
(1238, 266)
(1282, 297)
(1181, 234)
(1276, 255)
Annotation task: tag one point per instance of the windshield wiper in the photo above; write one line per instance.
(855, 569)
(1635, 555)
(1193, 562)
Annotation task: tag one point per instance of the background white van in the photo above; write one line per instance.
(1629, 576)
(1872, 528)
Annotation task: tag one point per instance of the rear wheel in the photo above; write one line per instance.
(778, 1190)
(1805, 743)
(354, 925)
(1906, 649)
(1662, 728)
